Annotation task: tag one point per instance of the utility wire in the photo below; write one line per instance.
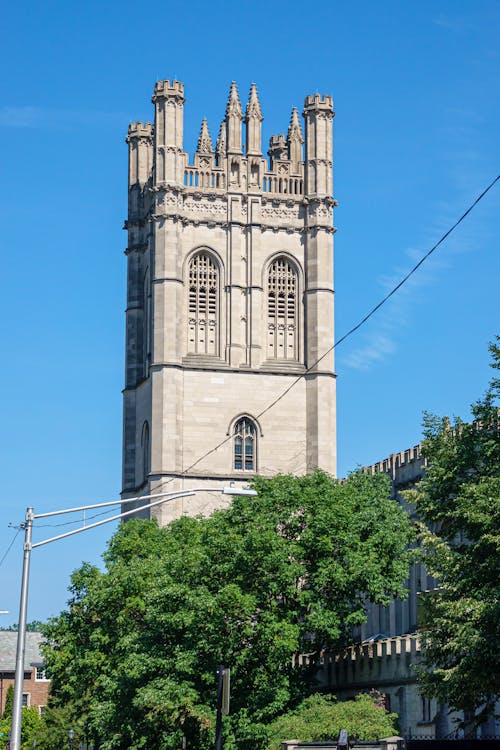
(72, 523)
(352, 330)
(10, 545)
(339, 341)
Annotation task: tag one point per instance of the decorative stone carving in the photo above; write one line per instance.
(280, 212)
(214, 208)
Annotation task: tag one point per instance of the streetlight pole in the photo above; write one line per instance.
(29, 546)
(21, 634)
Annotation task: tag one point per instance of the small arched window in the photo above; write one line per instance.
(145, 451)
(245, 445)
(282, 310)
(203, 305)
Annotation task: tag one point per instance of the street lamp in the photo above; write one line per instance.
(71, 737)
(29, 546)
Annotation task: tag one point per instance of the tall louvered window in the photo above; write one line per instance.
(245, 443)
(282, 310)
(203, 305)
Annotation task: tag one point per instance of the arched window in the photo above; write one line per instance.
(282, 310)
(245, 445)
(203, 305)
(145, 451)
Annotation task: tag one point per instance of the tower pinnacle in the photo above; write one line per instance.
(253, 121)
(294, 140)
(234, 115)
(253, 106)
(233, 107)
(205, 145)
(220, 146)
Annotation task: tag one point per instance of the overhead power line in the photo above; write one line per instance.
(351, 330)
(10, 546)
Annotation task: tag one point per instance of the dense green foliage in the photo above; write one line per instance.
(321, 717)
(459, 501)
(31, 722)
(285, 573)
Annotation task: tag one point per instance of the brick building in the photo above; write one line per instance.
(36, 685)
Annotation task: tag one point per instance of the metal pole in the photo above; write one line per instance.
(28, 546)
(21, 636)
(218, 721)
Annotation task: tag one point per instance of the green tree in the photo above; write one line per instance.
(321, 717)
(250, 587)
(31, 723)
(52, 731)
(459, 503)
(9, 703)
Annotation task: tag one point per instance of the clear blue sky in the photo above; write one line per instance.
(416, 91)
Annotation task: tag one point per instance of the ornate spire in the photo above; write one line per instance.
(220, 146)
(253, 106)
(205, 145)
(253, 121)
(294, 140)
(294, 129)
(234, 116)
(233, 103)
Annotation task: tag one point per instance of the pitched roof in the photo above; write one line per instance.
(8, 643)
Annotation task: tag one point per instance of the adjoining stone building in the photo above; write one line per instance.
(386, 647)
(229, 301)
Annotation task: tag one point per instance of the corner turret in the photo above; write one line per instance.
(318, 115)
(140, 149)
(168, 99)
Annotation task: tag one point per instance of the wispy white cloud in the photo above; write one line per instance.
(370, 353)
(454, 23)
(28, 116)
(468, 170)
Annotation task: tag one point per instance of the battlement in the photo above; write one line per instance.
(168, 88)
(316, 101)
(405, 467)
(236, 163)
(140, 129)
(368, 650)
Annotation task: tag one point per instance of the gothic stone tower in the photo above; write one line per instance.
(229, 301)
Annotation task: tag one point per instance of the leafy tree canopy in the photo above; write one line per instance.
(459, 501)
(321, 717)
(285, 573)
(31, 722)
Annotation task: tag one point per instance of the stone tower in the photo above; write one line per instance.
(229, 301)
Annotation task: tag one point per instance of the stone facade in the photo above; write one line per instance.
(386, 647)
(229, 301)
(405, 469)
